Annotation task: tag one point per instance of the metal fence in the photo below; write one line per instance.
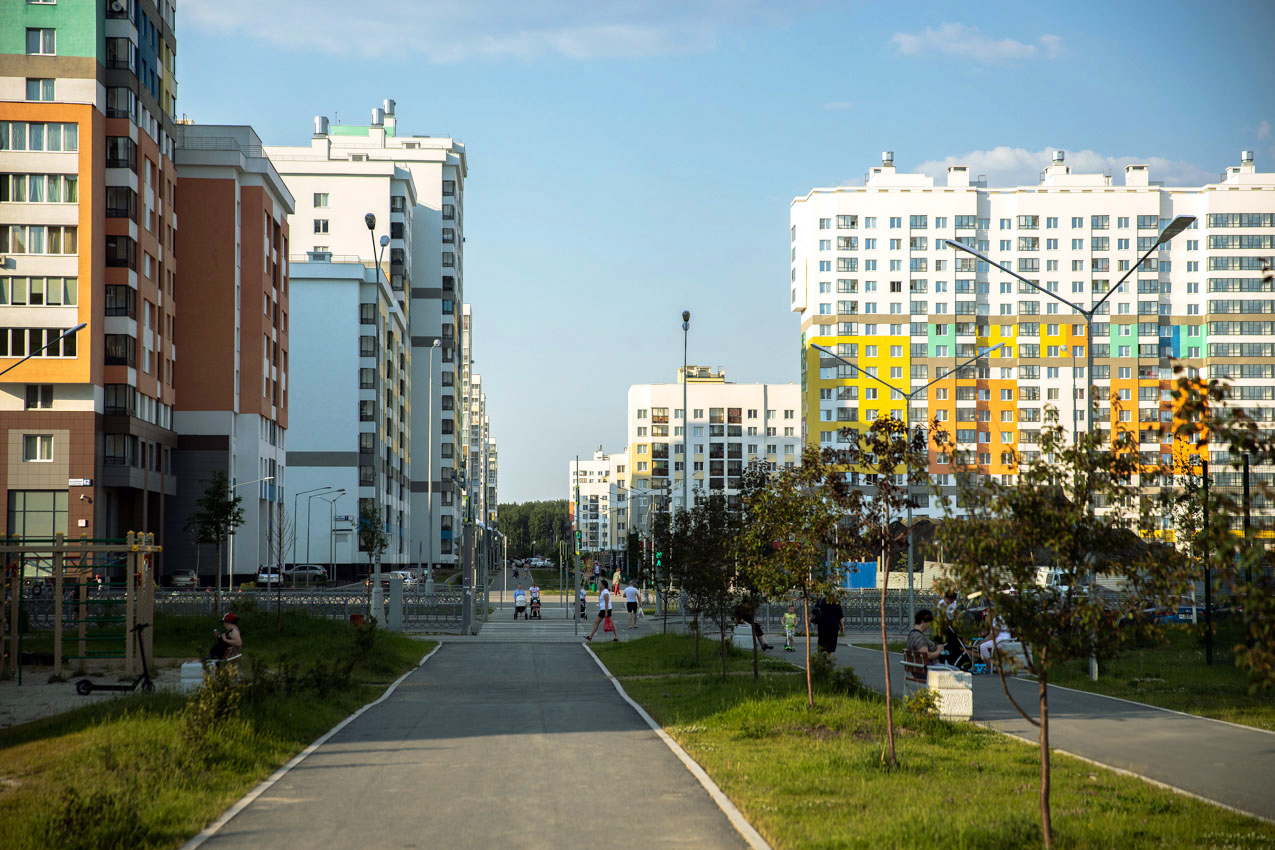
(438, 612)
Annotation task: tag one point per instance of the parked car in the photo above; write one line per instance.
(184, 578)
(305, 573)
(386, 575)
(268, 575)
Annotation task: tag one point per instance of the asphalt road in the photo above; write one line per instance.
(489, 745)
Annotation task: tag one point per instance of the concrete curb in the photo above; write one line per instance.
(733, 814)
(213, 828)
(1123, 772)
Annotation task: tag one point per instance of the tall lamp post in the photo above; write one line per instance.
(1179, 224)
(429, 474)
(907, 428)
(331, 499)
(686, 416)
(309, 500)
(295, 498)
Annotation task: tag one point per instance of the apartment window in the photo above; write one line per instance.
(367, 314)
(39, 397)
(121, 102)
(41, 42)
(121, 202)
(39, 89)
(449, 212)
(320, 225)
(37, 448)
(321, 200)
(121, 350)
(449, 259)
(396, 230)
(449, 188)
(121, 252)
(121, 152)
(398, 203)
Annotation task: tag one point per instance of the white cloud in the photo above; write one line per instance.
(456, 30)
(1006, 166)
(969, 43)
(1263, 130)
(837, 105)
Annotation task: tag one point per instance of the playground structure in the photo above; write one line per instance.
(82, 597)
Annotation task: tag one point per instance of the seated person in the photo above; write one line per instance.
(997, 633)
(520, 603)
(229, 643)
(919, 639)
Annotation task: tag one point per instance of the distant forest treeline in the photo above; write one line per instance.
(534, 528)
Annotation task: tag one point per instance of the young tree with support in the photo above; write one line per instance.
(220, 512)
(791, 538)
(998, 536)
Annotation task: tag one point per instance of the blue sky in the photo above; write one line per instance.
(633, 158)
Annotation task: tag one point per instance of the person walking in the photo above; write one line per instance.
(631, 603)
(829, 622)
(604, 613)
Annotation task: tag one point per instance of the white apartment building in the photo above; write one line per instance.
(731, 425)
(590, 491)
(351, 426)
(872, 280)
(345, 172)
(493, 480)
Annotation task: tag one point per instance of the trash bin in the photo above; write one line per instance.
(356, 619)
(593, 587)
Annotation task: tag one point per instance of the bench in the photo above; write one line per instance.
(955, 688)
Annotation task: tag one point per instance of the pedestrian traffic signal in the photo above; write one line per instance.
(659, 559)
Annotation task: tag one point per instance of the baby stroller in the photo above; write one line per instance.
(956, 653)
(534, 610)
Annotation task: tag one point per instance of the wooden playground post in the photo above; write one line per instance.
(148, 595)
(58, 583)
(130, 614)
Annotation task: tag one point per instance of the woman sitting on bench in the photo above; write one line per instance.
(920, 641)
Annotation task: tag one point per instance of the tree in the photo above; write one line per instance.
(881, 451)
(998, 535)
(790, 530)
(373, 538)
(706, 574)
(1204, 416)
(220, 513)
(280, 539)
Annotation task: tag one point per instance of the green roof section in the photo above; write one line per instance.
(80, 26)
(355, 130)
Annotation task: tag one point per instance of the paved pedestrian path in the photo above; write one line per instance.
(490, 745)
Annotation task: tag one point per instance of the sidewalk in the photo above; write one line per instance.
(489, 745)
(1218, 761)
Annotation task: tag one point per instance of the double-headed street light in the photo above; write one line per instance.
(1175, 227)
(686, 416)
(295, 522)
(907, 427)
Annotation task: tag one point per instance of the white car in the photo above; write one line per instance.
(268, 575)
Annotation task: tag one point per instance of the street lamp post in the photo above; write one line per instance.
(907, 429)
(1179, 224)
(295, 498)
(429, 474)
(686, 415)
(309, 500)
(335, 497)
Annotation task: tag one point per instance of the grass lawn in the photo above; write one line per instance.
(1175, 676)
(150, 771)
(813, 778)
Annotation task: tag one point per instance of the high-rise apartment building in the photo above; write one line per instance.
(87, 228)
(873, 280)
(731, 425)
(350, 382)
(232, 403)
(345, 172)
(590, 490)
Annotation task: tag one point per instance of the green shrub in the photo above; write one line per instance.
(215, 701)
(923, 703)
(365, 636)
(821, 668)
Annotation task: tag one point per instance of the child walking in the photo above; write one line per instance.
(790, 627)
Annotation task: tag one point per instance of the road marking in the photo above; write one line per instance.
(215, 827)
(733, 814)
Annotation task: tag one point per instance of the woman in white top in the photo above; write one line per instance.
(997, 634)
(604, 611)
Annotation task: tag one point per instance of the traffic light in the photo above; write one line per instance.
(578, 538)
(659, 560)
